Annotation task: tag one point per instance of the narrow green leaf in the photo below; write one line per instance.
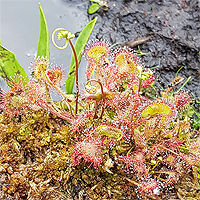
(79, 46)
(9, 66)
(43, 43)
(93, 8)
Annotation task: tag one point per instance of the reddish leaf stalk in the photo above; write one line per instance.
(170, 151)
(140, 83)
(133, 182)
(77, 64)
(94, 80)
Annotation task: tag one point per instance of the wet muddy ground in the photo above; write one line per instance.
(171, 26)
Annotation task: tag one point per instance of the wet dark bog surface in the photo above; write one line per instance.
(171, 26)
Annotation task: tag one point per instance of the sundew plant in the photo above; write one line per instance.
(107, 139)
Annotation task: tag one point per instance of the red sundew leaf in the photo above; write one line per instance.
(123, 59)
(163, 109)
(88, 149)
(147, 82)
(148, 187)
(15, 101)
(96, 53)
(195, 147)
(190, 159)
(182, 99)
(135, 162)
(173, 143)
(109, 131)
(81, 121)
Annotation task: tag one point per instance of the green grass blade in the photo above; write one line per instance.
(79, 46)
(43, 42)
(9, 66)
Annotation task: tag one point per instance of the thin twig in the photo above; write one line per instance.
(77, 64)
(135, 43)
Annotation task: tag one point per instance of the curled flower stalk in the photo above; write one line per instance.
(63, 33)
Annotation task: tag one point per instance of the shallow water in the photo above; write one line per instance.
(20, 24)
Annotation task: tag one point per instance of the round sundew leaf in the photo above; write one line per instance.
(156, 108)
(109, 132)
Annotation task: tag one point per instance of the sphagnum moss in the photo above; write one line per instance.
(35, 156)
